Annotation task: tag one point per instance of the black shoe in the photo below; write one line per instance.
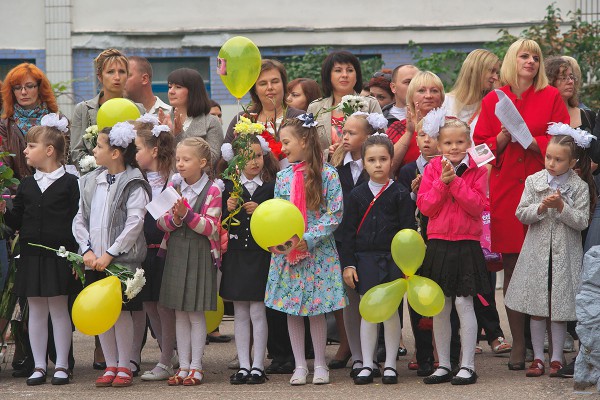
(518, 366)
(62, 381)
(355, 371)
(274, 367)
(364, 380)
(22, 373)
(257, 379)
(99, 366)
(239, 378)
(402, 351)
(435, 379)
(377, 370)
(457, 380)
(425, 369)
(286, 368)
(218, 339)
(338, 364)
(387, 379)
(37, 381)
(567, 371)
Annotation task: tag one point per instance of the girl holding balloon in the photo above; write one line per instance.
(452, 194)
(377, 210)
(308, 281)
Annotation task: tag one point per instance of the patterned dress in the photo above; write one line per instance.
(314, 285)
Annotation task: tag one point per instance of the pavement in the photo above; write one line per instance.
(495, 380)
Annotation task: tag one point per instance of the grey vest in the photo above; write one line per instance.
(131, 179)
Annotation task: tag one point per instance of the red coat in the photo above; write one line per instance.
(515, 164)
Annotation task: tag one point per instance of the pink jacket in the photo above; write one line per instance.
(454, 210)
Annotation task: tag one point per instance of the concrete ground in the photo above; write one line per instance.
(495, 380)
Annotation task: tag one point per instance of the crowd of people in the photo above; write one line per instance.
(402, 161)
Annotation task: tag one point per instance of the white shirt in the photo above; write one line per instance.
(251, 184)
(466, 114)
(191, 192)
(45, 179)
(376, 187)
(399, 113)
(556, 182)
(159, 104)
(95, 236)
(156, 181)
(356, 166)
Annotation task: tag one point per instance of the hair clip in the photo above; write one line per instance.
(122, 134)
(227, 151)
(380, 134)
(156, 131)
(263, 144)
(580, 137)
(54, 120)
(308, 119)
(148, 118)
(433, 121)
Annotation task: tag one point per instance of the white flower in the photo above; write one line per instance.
(263, 144)
(148, 118)
(87, 163)
(91, 132)
(156, 131)
(133, 286)
(580, 137)
(122, 134)
(377, 121)
(220, 184)
(176, 180)
(433, 121)
(227, 152)
(54, 120)
(62, 252)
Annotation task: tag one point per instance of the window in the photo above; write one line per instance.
(162, 67)
(8, 64)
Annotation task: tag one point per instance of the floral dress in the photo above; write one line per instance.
(314, 285)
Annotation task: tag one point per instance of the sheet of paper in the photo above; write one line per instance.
(481, 154)
(509, 116)
(163, 202)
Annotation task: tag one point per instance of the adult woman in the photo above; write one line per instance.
(340, 76)
(268, 95)
(112, 69)
(27, 96)
(425, 92)
(526, 85)
(476, 78)
(379, 88)
(191, 110)
(302, 92)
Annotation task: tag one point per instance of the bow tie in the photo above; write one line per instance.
(110, 178)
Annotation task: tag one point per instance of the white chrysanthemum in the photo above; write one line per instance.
(87, 163)
(433, 121)
(263, 144)
(148, 118)
(582, 138)
(227, 151)
(133, 286)
(122, 134)
(377, 121)
(158, 129)
(62, 252)
(54, 120)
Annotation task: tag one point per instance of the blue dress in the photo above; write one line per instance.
(314, 285)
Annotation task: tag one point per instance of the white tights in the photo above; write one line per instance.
(117, 342)
(318, 331)
(190, 329)
(162, 320)
(249, 313)
(368, 340)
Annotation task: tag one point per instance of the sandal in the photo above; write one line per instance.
(321, 380)
(297, 380)
(123, 381)
(191, 380)
(355, 371)
(177, 379)
(502, 347)
(164, 373)
(107, 380)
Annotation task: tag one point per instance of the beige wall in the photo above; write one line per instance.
(23, 24)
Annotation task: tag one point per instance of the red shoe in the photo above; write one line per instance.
(191, 380)
(536, 369)
(123, 381)
(554, 367)
(413, 365)
(107, 380)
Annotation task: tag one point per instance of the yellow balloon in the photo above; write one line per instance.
(275, 222)
(97, 307)
(213, 318)
(425, 296)
(116, 110)
(239, 65)
(408, 251)
(382, 301)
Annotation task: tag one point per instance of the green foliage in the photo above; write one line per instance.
(309, 64)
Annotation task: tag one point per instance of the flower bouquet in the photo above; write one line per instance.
(87, 164)
(91, 136)
(351, 104)
(131, 282)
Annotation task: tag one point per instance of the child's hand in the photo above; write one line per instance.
(302, 246)
(554, 201)
(250, 206)
(2, 206)
(448, 173)
(350, 276)
(179, 209)
(232, 204)
(89, 258)
(102, 262)
(416, 183)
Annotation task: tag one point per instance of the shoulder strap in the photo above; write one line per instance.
(371, 205)
(202, 197)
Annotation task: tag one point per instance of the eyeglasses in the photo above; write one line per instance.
(28, 87)
(566, 78)
(380, 74)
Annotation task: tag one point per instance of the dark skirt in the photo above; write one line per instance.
(374, 268)
(244, 275)
(38, 276)
(153, 267)
(134, 304)
(457, 266)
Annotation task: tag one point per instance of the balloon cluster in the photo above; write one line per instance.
(424, 295)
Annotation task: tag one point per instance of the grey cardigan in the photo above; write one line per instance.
(207, 127)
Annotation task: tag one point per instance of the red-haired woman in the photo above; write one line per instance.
(27, 96)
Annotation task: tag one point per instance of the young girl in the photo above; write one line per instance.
(308, 280)
(156, 156)
(246, 266)
(555, 205)
(189, 284)
(377, 210)
(452, 194)
(348, 161)
(109, 227)
(43, 211)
